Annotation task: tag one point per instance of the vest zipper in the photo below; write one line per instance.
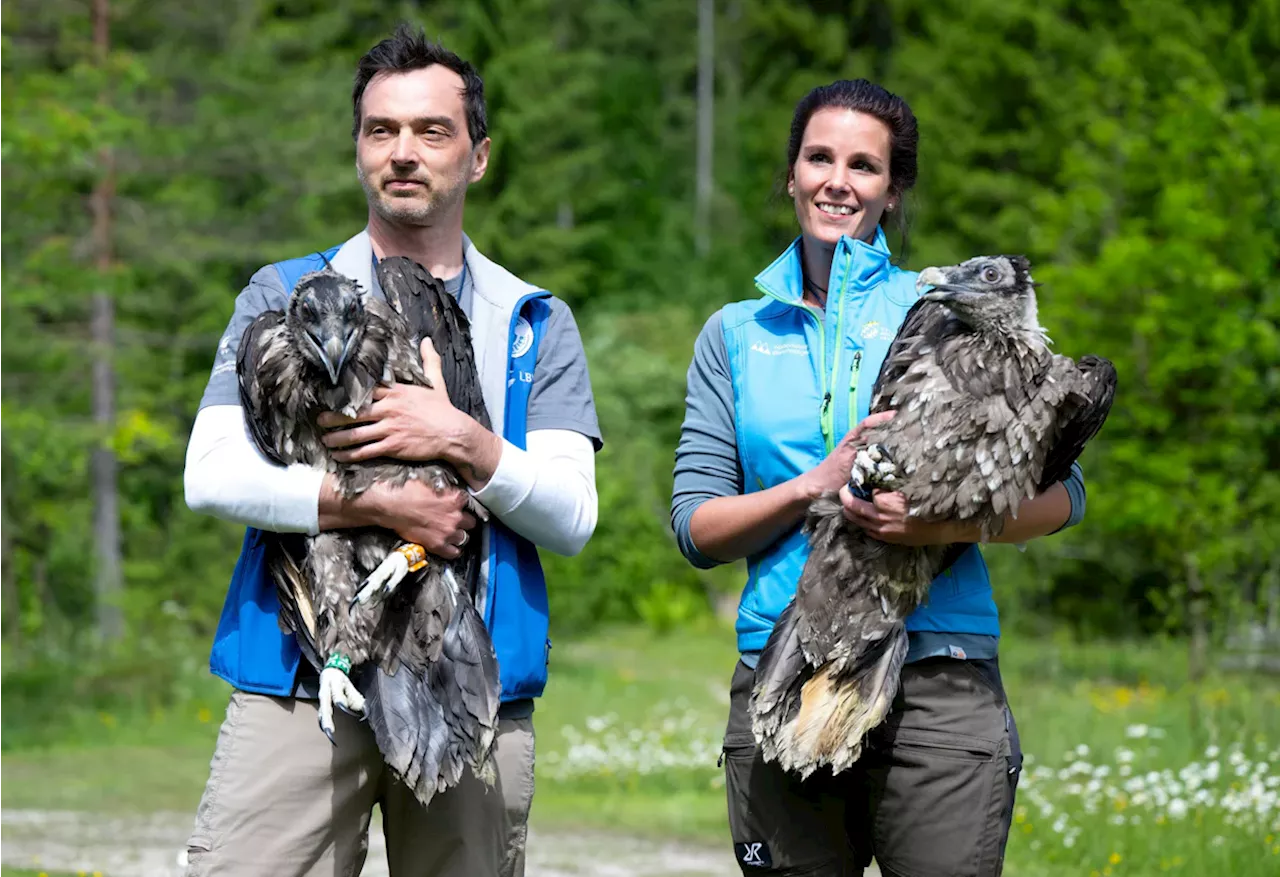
(828, 410)
(853, 388)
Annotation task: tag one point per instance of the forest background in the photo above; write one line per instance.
(156, 153)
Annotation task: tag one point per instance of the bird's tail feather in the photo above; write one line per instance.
(408, 723)
(805, 717)
(780, 673)
(466, 678)
(837, 710)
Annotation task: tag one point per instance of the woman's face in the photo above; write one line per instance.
(840, 181)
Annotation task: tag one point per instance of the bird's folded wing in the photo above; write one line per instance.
(264, 331)
(1084, 412)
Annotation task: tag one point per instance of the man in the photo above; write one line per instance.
(281, 800)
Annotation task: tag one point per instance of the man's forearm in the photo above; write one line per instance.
(547, 492)
(475, 452)
(339, 513)
(227, 477)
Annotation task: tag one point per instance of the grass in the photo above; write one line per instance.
(1120, 777)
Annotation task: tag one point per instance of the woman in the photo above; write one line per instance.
(774, 387)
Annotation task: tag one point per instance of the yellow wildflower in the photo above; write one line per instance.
(1116, 859)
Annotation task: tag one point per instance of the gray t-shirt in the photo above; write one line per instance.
(560, 397)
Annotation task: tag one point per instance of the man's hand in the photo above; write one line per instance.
(406, 422)
(833, 472)
(885, 518)
(436, 521)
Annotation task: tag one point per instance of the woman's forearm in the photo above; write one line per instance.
(728, 528)
(1039, 516)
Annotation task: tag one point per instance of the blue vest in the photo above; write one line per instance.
(252, 653)
(800, 381)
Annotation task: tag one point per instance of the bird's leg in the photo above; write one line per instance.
(336, 689)
(343, 640)
(873, 468)
(406, 558)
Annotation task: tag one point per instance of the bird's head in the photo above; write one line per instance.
(327, 317)
(990, 293)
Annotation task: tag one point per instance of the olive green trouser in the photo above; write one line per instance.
(932, 795)
(282, 801)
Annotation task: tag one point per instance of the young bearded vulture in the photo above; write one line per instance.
(986, 416)
(393, 631)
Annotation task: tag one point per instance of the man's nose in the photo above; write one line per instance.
(404, 151)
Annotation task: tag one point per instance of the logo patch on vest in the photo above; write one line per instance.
(874, 330)
(523, 339)
(754, 854)
(791, 349)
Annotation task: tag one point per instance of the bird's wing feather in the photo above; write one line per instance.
(285, 552)
(256, 379)
(1083, 415)
(432, 312)
(924, 326)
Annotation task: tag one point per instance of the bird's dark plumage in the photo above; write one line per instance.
(986, 416)
(421, 656)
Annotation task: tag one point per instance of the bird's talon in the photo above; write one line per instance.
(383, 580)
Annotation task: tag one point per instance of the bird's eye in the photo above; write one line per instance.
(990, 274)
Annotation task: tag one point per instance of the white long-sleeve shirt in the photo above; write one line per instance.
(546, 493)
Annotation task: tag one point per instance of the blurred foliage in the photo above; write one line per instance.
(1131, 149)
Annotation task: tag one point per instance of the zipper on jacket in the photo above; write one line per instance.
(828, 410)
(853, 388)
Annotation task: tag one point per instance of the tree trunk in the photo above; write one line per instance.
(706, 123)
(1198, 658)
(106, 514)
(9, 603)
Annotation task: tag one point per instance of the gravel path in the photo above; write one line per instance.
(152, 846)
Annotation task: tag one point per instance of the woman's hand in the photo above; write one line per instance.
(833, 472)
(885, 518)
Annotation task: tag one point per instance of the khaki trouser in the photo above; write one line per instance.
(281, 800)
(932, 795)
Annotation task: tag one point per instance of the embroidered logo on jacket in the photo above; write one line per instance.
(874, 329)
(791, 349)
(523, 339)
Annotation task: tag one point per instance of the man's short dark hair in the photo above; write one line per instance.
(407, 50)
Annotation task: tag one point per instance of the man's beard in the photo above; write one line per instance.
(405, 211)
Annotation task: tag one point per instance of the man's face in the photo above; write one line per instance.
(414, 154)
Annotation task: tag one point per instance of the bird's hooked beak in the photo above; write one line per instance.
(942, 291)
(333, 353)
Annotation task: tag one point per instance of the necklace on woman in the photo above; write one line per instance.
(819, 294)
